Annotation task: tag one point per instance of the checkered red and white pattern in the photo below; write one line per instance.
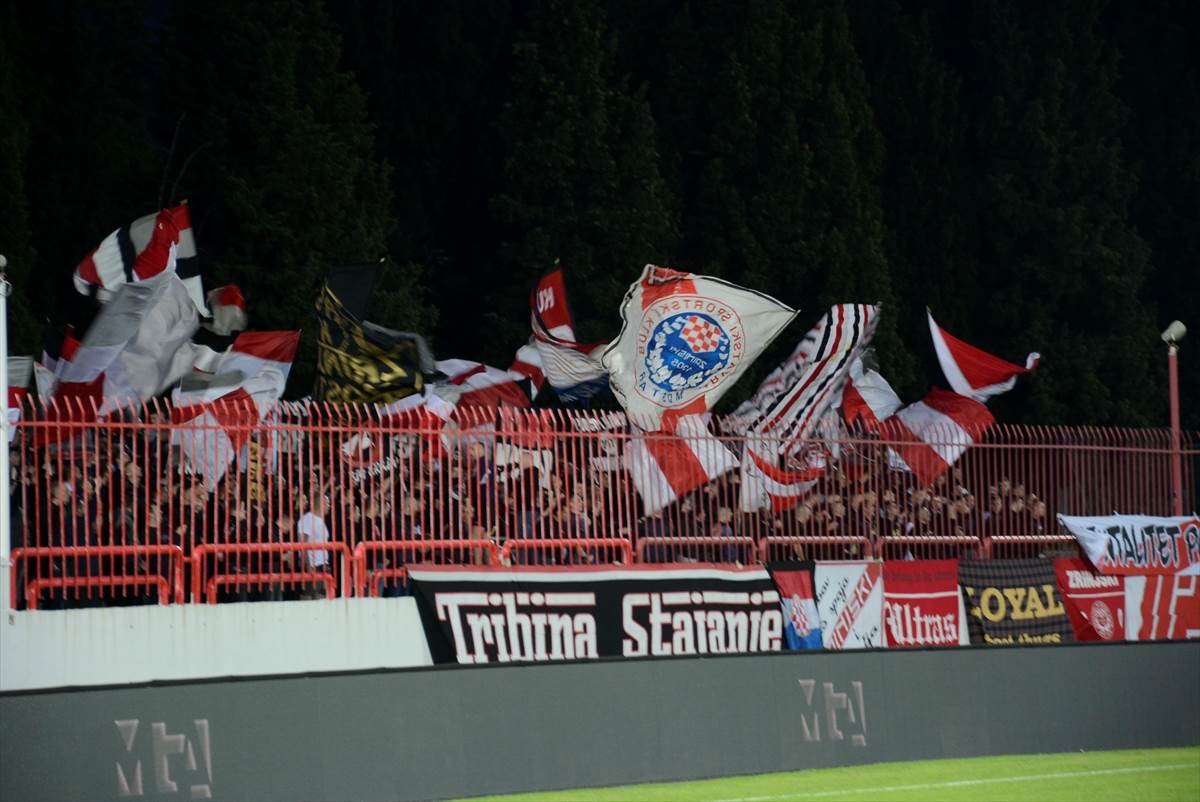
(700, 335)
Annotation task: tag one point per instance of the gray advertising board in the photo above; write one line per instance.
(450, 732)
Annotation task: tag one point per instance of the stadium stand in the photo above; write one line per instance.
(325, 500)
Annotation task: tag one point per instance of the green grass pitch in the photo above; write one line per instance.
(1144, 775)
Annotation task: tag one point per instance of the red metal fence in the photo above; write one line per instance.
(325, 500)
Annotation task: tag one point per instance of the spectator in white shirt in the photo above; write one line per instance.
(312, 529)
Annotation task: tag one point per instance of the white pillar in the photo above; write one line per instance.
(5, 528)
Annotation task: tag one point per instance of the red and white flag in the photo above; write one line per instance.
(160, 353)
(573, 369)
(922, 604)
(971, 371)
(666, 466)
(216, 417)
(122, 257)
(765, 486)
(684, 341)
(867, 399)
(228, 310)
(929, 436)
(83, 380)
(427, 413)
(474, 384)
(795, 395)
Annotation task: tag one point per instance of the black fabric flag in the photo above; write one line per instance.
(360, 362)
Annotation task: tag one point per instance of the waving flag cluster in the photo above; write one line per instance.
(685, 339)
(215, 416)
(792, 402)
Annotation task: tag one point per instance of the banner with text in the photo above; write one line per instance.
(1137, 544)
(486, 615)
(922, 605)
(850, 603)
(1095, 602)
(1013, 601)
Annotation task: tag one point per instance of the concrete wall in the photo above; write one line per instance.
(448, 732)
(57, 648)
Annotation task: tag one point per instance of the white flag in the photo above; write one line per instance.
(685, 339)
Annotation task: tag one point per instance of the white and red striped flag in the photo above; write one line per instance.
(765, 486)
(122, 257)
(474, 384)
(867, 399)
(572, 368)
(666, 466)
(684, 341)
(215, 417)
(93, 372)
(971, 371)
(929, 436)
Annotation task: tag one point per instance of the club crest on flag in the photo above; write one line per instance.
(689, 345)
(685, 339)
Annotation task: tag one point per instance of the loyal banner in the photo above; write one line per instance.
(362, 362)
(921, 603)
(1137, 544)
(1013, 601)
(1095, 602)
(482, 615)
(850, 603)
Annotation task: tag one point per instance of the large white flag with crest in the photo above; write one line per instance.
(685, 339)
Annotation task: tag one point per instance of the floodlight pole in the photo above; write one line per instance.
(1176, 462)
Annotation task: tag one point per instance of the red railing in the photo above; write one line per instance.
(317, 566)
(395, 554)
(525, 486)
(63, 560)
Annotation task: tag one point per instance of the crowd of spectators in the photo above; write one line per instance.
(136, 486)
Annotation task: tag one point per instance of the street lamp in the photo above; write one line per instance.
(1173, 334)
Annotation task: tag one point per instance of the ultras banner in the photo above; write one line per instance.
(485, 615)
(921, 603)
(1013, 601)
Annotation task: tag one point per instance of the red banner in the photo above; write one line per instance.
(1163, 607)
(1095, 602)
(921, 602)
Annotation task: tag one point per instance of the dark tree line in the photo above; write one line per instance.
(1027, 170)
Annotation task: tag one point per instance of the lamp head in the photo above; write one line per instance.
(1174, 333)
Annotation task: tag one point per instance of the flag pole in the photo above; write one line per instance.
(5, 520)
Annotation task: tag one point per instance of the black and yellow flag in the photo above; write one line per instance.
(358, 361)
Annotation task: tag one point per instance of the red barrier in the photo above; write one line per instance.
(568, 551)
(706, 549)
(220, 575)
(475, 552)
(172, 579)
